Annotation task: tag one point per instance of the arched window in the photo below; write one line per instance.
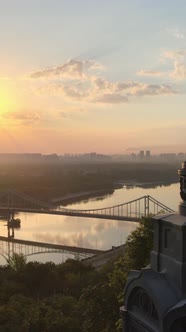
(140, 302)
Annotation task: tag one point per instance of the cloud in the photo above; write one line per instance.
(153, 90)
(73, 93)
(121, 86)
(82, 84)
(176, 33)
(70, 112)
(109, 92)
(150, 73)
(179, 71)
(72, 69)
(101, 83)
(122, 92)
(67, 91)
(179, 63)
(143, 89)
(26, 117)
(178, 58)
(174, 55)
(111, 98)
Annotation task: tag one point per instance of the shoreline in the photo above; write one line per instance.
(79, 196)
(76, 197)
(147, 184)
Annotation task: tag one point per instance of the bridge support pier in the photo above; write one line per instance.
(10, 229)
(11, 233)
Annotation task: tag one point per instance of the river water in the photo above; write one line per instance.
(87, 232)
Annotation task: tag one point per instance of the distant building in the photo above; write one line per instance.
(85, 157)
(141, 154)
(168, 156)
(147, 153)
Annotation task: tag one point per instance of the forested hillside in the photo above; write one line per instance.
(45, 181)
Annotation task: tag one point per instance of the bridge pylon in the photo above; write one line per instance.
(146, 206)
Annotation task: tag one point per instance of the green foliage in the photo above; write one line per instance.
(47, 180)
(137, 255)
(139, 245)
(69, 297)
(100, 308)
(102, 301)
(42, 297)
(17, 262)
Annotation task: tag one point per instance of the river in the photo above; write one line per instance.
(87, 232)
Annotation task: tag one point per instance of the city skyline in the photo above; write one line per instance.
(81, 76)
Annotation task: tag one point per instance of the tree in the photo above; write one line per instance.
(102, 300)
(100, 308)
(137, 256)
(16, 262)
(70, 297)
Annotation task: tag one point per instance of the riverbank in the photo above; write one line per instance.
(76, 197)
(146, 184)
(82, 195)
(66, 183)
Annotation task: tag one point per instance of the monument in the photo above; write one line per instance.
(155, 297)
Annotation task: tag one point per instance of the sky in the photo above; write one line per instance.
(105, 76)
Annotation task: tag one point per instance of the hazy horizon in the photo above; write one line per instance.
(78, 76)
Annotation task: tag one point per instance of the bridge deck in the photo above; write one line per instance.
(12, 201)
(72, 214)
(52, 246)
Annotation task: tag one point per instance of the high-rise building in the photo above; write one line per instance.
(141, 154)
(147, 153)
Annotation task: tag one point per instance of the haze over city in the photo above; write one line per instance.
(79, 76)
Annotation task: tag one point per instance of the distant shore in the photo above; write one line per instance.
(76, 197)
(146, 184)
(62, 183)
(79, 196)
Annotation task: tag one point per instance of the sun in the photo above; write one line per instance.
(7, 100)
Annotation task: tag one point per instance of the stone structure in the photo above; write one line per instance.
(155, 297)
(182, 173)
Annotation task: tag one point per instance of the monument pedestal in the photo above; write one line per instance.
(155, 297)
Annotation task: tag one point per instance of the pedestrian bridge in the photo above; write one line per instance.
(10, 245)
(11, 201)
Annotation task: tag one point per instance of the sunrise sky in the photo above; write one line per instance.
(105, 75)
